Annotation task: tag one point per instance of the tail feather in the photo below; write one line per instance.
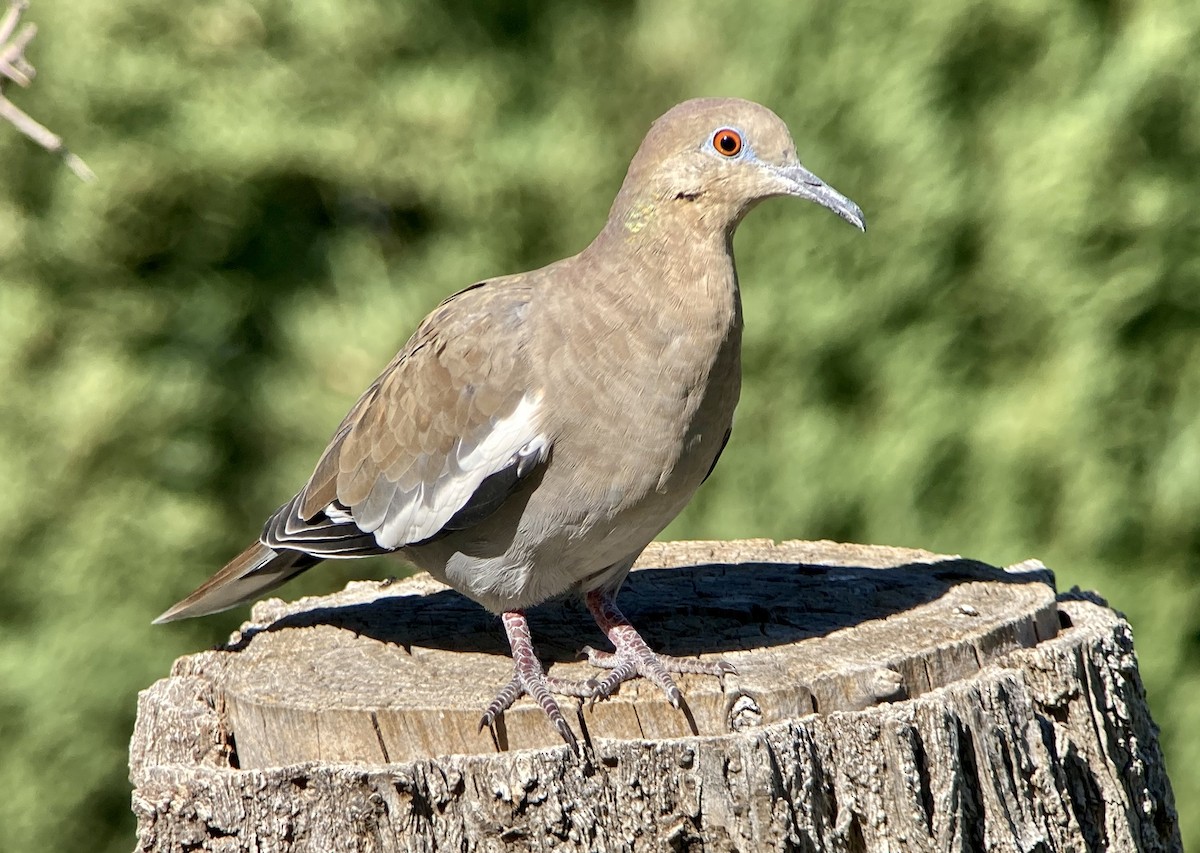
(247, 576)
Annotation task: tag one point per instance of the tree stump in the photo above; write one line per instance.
(886, 699)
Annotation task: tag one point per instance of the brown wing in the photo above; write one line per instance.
(433, 441)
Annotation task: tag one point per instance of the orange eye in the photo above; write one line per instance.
(727, 141)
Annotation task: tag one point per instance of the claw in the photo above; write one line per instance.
(503, 701)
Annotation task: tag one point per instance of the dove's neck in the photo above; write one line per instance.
(670, 262)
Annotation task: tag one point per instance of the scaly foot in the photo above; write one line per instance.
(634, 658)
(529, 679)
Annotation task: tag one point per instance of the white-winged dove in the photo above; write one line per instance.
(539, 430)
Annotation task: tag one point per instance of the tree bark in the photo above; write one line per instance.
(885, 699)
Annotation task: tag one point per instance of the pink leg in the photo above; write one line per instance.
(633, 657)
(528, 678)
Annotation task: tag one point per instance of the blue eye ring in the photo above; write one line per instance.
(727, 142)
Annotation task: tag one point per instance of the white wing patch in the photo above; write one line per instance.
(399, 517)
(338, 514)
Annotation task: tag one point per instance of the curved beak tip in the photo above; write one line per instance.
(804, 184)
(828, 197)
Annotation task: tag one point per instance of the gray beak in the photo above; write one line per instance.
(802, 183)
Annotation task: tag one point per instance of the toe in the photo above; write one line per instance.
(538, 689)
(585, 689)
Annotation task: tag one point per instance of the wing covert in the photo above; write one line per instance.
(441, 438)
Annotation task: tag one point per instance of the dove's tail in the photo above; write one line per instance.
(247, 576)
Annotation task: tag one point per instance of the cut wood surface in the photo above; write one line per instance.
(885, 699)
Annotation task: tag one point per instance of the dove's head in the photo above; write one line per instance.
(710, 160)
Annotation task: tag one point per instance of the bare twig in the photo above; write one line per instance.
(8, 24)
(42, 135)
(14, 67)
(13, 64)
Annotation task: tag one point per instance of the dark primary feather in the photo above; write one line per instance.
(320, 535)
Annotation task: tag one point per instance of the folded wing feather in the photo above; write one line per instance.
(454, 410)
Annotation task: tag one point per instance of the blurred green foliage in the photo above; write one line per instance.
(1006, 365)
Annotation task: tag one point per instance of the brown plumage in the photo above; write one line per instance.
(538, 430)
